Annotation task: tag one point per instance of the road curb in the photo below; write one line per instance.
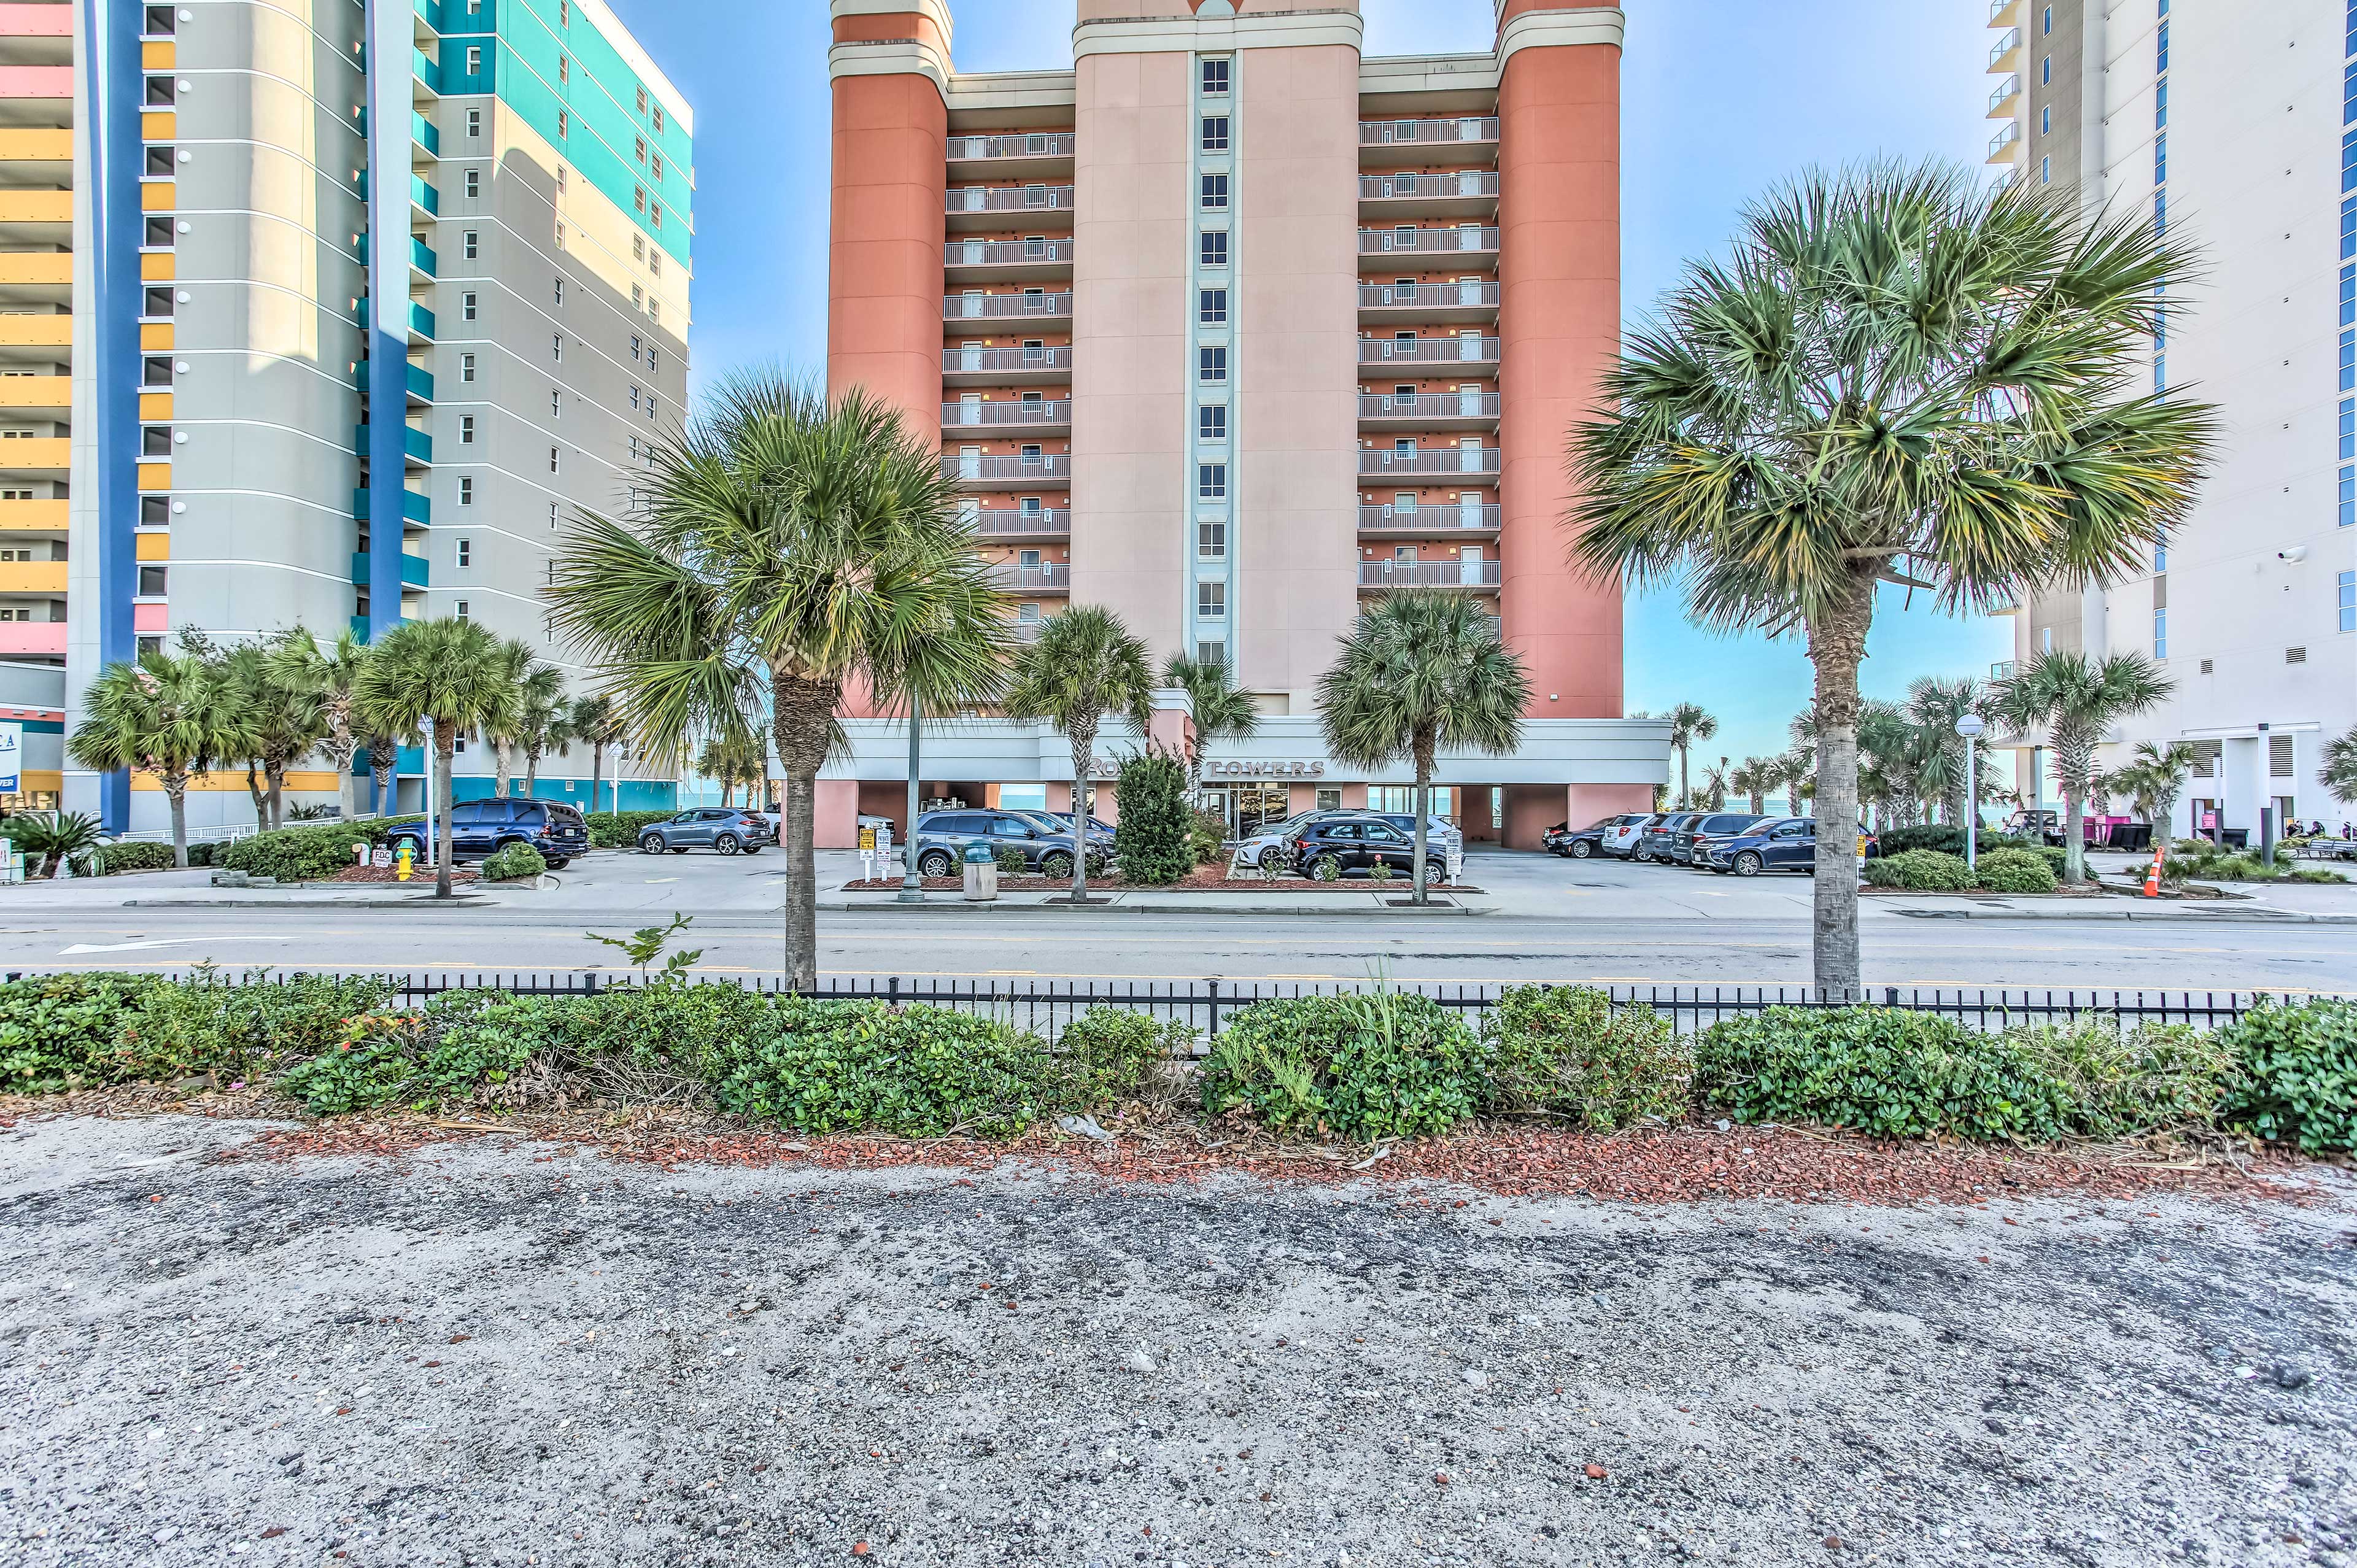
(950, 904)
(2161, 917)
(422, 903)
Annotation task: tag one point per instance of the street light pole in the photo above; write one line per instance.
(1971, 727)
(913, 884)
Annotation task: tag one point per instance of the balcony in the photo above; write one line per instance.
(415, 508)
(427, 74)
(417, 446)
(43, 637)
(33, 577)
(2004, 670)
(971, 261)
(1023, 153)
(421, 324)
(1036, 307)
(1375, 461)
(33, 516)
(1014, 522)
(1414, 141)
(984, 206)
(413, 570)
(965, 366)
(2002, 100)
(423, 261)
(424, 198)
(1041, 418)
(423, 133)
(1469, 350)
(1458, 193)
(2001, 145)
(1021, 630)
(1379, 248)
(418, 382)
(2007, 54)
(1430, 410)
(1466, 300)
(2004, 13)
(1380, 574)
(36, 453)
(39, 329)
(1428, 520)
(1046, 577)
(1008, 471)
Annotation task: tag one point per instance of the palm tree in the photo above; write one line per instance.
(2339, 773)
(734, 759)
(327, 677)
(1934, 706)
(1901, 377)
(1715, 782)
(1889, 762)
(544, 722)
(1085, 666)
(449, 674)
(780, 549)
(1688, 724)
(537, 687)
(598, 722)
(2155, 777)
(1752, 777)
(170, 717)
(1421, 670)
(2074, 699)
(1216, 710)
(284, 722)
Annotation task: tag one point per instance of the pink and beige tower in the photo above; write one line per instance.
(1229, 328)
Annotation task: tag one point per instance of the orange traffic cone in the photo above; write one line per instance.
(2152, 878)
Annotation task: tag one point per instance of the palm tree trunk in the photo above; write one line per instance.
(1836, 647)
(446, 750)
(342, 748)
(1685, 789)
(1084, 746)
(176, 790)
(531, 774)
(803, 717)
(274, 773)
(382, 760)
(260, 801)
(506, 767)
(596, 772)
(1426, 746)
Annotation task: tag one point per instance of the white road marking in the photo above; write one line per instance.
(658, 881)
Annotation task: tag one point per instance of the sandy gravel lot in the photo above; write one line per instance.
(514, 1354)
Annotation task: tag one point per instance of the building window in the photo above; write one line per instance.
(654, 165)
(1217, 653)
(1212, 423)
(155, 441)
(1215, 132)
(474, 59)
(1211, 541)
(159, 162)
(155, 302)
(1214, 311)
(1213, 366)
(466, 306)
(155, 372)
(470, 245)
(151, 582)
(1212, 601)
(1215, 251)
(474, 183)
(1212, 481)
(2163, 55)
(2160, 105)
(467, 367)
(466, 430)
(556, 402)
(564, 124)
(2160, 159)
(160, 23)
(466, 552)
(160, 233)
(2046, 24)
(560, 236)
(2349, 601)
(2046, 171)
(562, 179)
(1215, 193)
(2046, 72)
(466, 489)
(560, 291)
(557, 347)
(658, 119)
(2046, 120)
(159, 92)
(464, 610)
(474, 122)
(643, 100)
(2161, 632)
(1215, 79)
(638, 197)
(634, 347)
(551, 459)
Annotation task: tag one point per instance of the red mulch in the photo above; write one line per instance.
(389, 873)
(1202, 879)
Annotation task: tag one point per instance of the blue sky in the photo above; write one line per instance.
(1721, 100)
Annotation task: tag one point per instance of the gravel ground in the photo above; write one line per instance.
(494, 1352)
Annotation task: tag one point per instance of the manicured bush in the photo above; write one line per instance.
(620, 829)
(1921, 871)
(134, 855)
(1155, 846)
(2014, 871)
(1375, 1065)
(2129, 1082)
(59, 1032)
(401, 1058)
(306, 853)
(513, 862)
(1878, 1070)
(2295, 1078)
(1562, 1051)
(1207, 835)
(203, 853)
(1108, 1056)
(828, 1066)
(1945, 839)
(84, 1030)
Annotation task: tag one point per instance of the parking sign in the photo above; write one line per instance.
(12, 756)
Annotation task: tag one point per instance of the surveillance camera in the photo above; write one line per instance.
(2296, 554)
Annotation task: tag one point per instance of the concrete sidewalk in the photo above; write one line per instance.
(1134, 902)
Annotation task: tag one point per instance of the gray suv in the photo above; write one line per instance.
(943, 837)
(723, 829)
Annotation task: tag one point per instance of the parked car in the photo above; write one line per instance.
(483, 828)
(1254, 850)
(1771, 844)
(1654, 838)
(1062, 823)
(1347, 844)
(942, 838)
(1612, 836)
(1685, 844)
(1441, 838)
(727, 829)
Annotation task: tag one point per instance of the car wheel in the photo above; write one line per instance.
(678, 849)
(728, 844)
(651, 843)
(1641, 857)
(1329, 868)
(934, 862)
(558, 862)
(1581, 849)
(754, 848)
(1748, 865)
(1056, 863)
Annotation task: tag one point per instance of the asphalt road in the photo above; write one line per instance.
(1594, 923)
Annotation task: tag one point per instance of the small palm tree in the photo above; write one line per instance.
(1421, 670)
(1900, 378)
(1086, 666)
(543, 723)
(2074, 699)
(2339, 773)
(2157, 771)
(598, 722)
(1216, 710)
(327, 677)
(1934, 706)
(734, 759)
(783, 548)
(1688, 724)
(286, 722)
(1751, 776)
(1715, 782)
(534, 686)
(170, 717)
(448, 673)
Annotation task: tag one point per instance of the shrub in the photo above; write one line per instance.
(1384, 1064)
(59, 1032)
(620, 829)
(203, 853)
(1011, 860)
(513, 863)
(133, 856)
(825, 1067)
(1206, 834)
(309, 854)
(243, 1027)
(1562, 1051)
(1879, 1070)
(1156, 846)
(2056, 859)
(2014, 871)
(1108, 1055)
(1277, 859)
(1935, 837)
(2126, 1083)
(1920, 870)
(2296, 1079)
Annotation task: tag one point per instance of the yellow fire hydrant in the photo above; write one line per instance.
(400, 862)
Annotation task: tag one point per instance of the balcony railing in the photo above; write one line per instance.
(1430, 460)
(1391, 132)
(1427, 573)
(1428, 406)
(1430, 518)
(1045, 305)
(987, 361)
(1006, 253)
(1426, 241)
(422, 258)
(1455, 182)
(1466, 350)
(1049, 467)
(1048, 578)
(1014, 522)
(1458, 295)
(1012, 198)
(984, 415)
(2007, 91)
(2001, 145)
(2006, 45)
(1028, 630)
(2003, 669)
(1027, 145)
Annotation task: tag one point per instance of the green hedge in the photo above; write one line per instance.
(828, 1066)
(1945, 839)
(1155, 846)
(135, 855)
(2015, 871)
(1563, 1052)
(309, 854)
(1369, 1065)
(513, 862)
(620, 829)
(1920, 871)
(82, 1031)
(2298, 1082)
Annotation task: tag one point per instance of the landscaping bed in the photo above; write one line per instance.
(1204, 879)
(417, 873)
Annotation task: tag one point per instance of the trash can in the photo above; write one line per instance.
(981, 875)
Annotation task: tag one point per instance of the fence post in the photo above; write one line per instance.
(893, 991)
(589, 982)
(1890, 996)
(1215, 1010)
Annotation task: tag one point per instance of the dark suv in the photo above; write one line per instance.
(481, 828)
(1687, 845)
(1343, 844)
(1656, 838)
(726, 829)
(942, 838)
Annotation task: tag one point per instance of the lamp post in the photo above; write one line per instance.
(1971, 727)
(913, 883)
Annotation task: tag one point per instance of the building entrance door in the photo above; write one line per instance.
(1249, 809)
